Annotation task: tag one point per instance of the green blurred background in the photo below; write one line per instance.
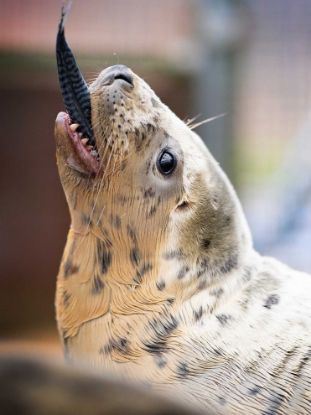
(249, 59)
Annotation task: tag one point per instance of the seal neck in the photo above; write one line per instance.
(118, 271)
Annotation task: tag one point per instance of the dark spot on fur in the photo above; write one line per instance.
(218, 292)
(205, 243)
(97, 285)
(171, 300)
(202, 284)
(120, 345)
(247, 273)
(182, 370)
(200, 272)
(198, 314)
(122, 199)
(222, 400)
(106, 349)
(84, 176)
(152, 211)
(138, 141)
(272, 300)
(150, 128)
(160, 285)
(123, 164)
(303, 362)
(162, 328)
(108, 243)
(254, 390)
(218, 352)
(155, 346)
(148, 166)
(70, 268)
(131, 233)
(223, 318)
(182, 272)
(203, 267)
(106, 261)
(86, 220)
(135, 256)
(105, 256)
(229, 265)
(276, 401)
(115, 221)
(174, 254)
(66, 298)
(227, 220)
(160, 359)
(149, 193)
(146, 267)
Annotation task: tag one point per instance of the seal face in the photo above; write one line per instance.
(159, 281)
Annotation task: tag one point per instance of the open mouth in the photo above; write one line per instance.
(76, 124)
(82, 156)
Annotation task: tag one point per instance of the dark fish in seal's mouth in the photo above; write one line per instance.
(76, 96)
(84, 151)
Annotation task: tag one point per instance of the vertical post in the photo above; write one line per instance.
(220, 28)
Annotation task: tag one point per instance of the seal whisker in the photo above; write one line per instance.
(189, 121)
(206, 121)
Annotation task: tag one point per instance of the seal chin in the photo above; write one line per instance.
(77, 152)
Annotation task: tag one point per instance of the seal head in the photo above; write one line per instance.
(148, 202)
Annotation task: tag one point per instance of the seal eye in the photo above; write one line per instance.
(166, 163)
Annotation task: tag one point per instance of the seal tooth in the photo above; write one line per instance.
(94, 153)
(84, 141)
(73, 127)
(80, 135)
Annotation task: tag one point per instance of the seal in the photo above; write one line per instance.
(159, 281)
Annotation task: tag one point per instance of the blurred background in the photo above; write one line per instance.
(250, 59)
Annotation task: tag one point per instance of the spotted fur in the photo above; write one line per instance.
(159, 280)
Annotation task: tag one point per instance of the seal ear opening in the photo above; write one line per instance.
(73, 87)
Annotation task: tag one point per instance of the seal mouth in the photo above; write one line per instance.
(82, 156)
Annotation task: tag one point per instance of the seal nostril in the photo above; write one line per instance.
(124, 77)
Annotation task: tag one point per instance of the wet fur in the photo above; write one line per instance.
(159, 281)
